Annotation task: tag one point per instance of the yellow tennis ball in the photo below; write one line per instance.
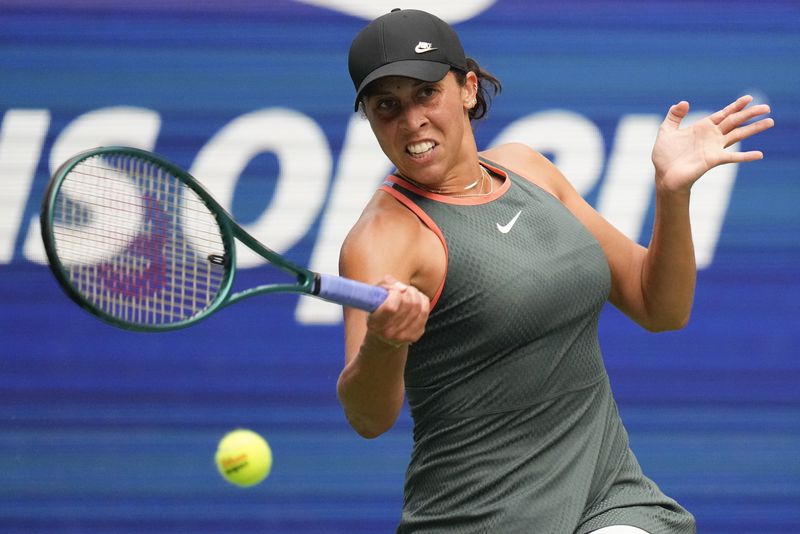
(243, 458)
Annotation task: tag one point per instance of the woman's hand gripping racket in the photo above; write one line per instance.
(140, 243)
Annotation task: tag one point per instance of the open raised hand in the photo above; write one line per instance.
(682, 155)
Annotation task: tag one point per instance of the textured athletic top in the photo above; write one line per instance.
(515, 428)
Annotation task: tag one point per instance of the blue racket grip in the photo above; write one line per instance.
(349, 292)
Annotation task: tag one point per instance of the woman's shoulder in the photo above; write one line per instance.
(510, 152)
(388, 238)
(383, 216)
(529, 164)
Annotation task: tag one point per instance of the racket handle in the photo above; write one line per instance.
(349, 292)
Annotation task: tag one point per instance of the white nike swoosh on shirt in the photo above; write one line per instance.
(504, 229)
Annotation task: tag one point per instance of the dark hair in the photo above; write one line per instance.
(486, 83)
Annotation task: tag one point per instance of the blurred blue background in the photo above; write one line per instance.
(103, 430)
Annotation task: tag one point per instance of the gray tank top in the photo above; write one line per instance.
(515, 428)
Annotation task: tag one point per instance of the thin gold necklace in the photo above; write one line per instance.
(478, 184)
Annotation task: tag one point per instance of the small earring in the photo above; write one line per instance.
(472, 103)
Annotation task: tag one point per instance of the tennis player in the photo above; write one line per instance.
(497, 271)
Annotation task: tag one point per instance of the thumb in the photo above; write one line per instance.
(390, 282)
(676, 114)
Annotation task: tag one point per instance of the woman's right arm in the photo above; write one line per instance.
(370, 387)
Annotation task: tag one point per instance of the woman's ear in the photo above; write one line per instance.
(470, 90)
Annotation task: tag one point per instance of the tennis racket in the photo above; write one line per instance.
(138, 242)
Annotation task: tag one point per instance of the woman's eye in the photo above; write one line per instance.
(427, 91)
(386, 105)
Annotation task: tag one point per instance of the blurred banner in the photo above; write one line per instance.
(103, 430)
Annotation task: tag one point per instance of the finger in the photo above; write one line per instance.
(741, 157)
(414, 303)
(676, 114)
(387, 322)
(735, 119)
(417, 328)
(417, 305)
(394, 300)
(737, 105)
(425, 303)
(403, 300)
(743, 132)
(390, 283)
(408, 322)
(423, 307)
(387, 281)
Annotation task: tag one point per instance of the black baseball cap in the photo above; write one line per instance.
(405, 42)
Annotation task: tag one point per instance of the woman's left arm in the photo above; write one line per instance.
(654, 286)
(680, 157)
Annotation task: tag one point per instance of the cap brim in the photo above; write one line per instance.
(427, 71)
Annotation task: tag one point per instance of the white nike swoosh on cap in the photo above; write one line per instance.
(423, 47)
(504, 229)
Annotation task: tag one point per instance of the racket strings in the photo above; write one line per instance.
(91, 172)
(135, 241)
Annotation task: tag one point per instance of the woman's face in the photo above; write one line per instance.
(423, 127)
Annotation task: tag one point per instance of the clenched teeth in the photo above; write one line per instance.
(416, 149)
